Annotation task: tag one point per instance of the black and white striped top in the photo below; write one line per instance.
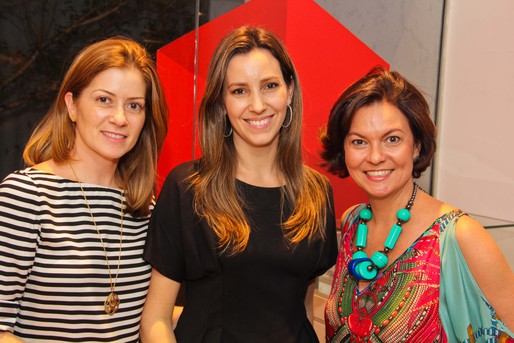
(53, 274)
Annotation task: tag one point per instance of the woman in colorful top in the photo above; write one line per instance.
(73, 224)
(247, 227)
(411, 268)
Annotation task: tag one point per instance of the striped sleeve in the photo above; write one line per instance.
(19, 232)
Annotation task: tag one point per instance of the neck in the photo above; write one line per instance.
(259, 168)
(102, 174)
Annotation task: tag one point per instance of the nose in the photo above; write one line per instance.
(118, 117)
(376, 154)
(257, 105)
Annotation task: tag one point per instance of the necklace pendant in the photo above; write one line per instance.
(112, 303)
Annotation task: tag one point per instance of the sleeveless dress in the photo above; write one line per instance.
(411, 301)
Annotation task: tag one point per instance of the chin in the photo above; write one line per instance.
(376, 190)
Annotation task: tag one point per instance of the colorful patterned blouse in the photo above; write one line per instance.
(401, 305)
(404, 303)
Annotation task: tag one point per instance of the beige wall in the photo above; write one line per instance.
(475, 165)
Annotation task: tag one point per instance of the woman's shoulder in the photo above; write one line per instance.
(28, 176)
(45, 172)
(468, 230)
(28, 184)
(184, 169)
(180, 173)
(352, 212)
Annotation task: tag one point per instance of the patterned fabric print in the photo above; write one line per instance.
(401, 305)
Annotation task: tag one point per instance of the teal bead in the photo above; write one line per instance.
(393, 236)
(362, 234)
(379, 259)
(403, 215)
(359, 254)
(365, 214)
(366, 270)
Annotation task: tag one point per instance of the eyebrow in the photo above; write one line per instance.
(265, 80)
(387, 133)
(113, 94)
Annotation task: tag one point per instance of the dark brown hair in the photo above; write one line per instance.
(378, 85)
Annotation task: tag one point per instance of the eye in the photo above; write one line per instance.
(271, 85)
(103, 99)
(357, 142)
(393, 139)
(238, 91)
(134, 106)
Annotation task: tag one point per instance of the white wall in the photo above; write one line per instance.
(474, 168)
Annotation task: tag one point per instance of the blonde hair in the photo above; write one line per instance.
(54, 136)
(215, 194)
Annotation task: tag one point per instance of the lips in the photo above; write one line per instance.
(379, 173)
(114, 135)
(260, 123)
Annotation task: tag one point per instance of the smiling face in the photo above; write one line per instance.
(109, 114)
(380, 149)
(256, 98)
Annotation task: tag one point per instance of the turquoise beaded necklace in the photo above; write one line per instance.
(361, 266)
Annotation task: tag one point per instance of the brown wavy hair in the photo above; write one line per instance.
(378, 85)
(215, 194)
(54, 137)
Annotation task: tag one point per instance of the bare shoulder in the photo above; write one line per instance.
(470, 231)
(478, 247)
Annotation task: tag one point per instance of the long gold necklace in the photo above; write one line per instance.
(112, 303)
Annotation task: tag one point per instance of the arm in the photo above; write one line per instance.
(19, 233)
(7, 337)
(156, 320)
(309, 300)
(488, 266)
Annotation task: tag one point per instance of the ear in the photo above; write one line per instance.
(416, 152)
(70, 105)
(290, 90)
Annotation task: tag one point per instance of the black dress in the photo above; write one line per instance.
(255, 296)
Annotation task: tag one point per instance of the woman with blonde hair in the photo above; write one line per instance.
(73, 223)
(248, 226)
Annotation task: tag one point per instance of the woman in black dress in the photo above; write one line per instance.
(247, 227)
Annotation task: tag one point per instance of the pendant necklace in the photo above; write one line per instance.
(361, 266)
(112, 303)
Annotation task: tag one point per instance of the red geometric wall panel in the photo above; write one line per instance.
(327, 56)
